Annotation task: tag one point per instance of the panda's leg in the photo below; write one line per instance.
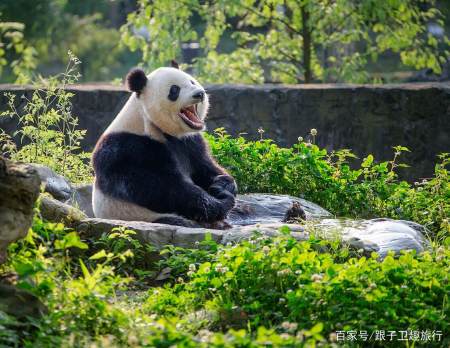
(177, 221)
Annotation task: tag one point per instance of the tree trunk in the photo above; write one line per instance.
(306, 33)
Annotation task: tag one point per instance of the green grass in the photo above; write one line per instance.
(263, 292)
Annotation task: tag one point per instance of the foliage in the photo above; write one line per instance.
(290, 41)
(52, 27)
(15, 52)
(305, 170)
(263, 292)
(47, 129)
(291, 286)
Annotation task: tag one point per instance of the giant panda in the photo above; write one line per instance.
(152, 163)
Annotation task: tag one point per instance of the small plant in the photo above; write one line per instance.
(48, 131)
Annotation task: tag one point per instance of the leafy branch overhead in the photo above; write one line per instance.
(287, 41)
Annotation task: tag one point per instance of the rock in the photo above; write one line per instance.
(81, 198)
(55, 184)
(264, 208)
(19, 303)
(19, 189)
(157, 235)
(378, 235)
(56, 211)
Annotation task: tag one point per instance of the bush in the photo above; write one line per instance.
(264, 292)
(48, 131)
(305, 170)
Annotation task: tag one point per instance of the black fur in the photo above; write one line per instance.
(178, 176)
(174, 92)
(136, 80)
(174, 64)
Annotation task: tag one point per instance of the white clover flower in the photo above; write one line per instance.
(316, 278)
(282, 300)
(286, 325)
(190, 273)
(285, 336)
(313, 132)
(192, 267)
(284, 272)
(300, 139)
(299, 271)
(289, 291)
(265, 249)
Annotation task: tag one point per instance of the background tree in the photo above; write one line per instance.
(287, 41)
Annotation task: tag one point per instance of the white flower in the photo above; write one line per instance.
(265, 249)
(300, 139)
(192, 267)
(284, 272)
(313, 132)
(190, 273)
(285, 336)
(316, 278)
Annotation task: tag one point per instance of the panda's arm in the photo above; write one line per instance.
(138, 170)
(206, 172)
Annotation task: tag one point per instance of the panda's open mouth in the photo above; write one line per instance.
(189, 115)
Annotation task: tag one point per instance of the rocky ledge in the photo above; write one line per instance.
(253, 212)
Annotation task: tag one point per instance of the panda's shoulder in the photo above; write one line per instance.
(119, 145)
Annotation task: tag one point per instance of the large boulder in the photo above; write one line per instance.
(19, 189)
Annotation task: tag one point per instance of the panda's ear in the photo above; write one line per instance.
(174, 64)
(136, 80)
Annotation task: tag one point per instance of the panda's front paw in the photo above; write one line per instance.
(223, 183)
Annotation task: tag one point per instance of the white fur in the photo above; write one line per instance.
(150, 114)
(106, 207)
(154, 107)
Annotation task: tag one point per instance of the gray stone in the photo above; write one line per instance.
(19, 189)
(81, 198)
(378, 235)
(55, 211)
(364, 118)
(157, 235)
(55, 184)
(256, 208)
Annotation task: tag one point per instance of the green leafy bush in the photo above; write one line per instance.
(291, 286)
(305, 170)
(47, 129)
(264, 292)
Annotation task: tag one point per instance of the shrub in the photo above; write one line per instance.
(305, 170)
(48, 131)
(290, 286)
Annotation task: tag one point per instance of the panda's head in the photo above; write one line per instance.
(171, 99)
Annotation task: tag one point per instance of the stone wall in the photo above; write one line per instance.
(364, 118)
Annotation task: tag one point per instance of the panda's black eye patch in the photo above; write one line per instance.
(193, 82)
(174, 92)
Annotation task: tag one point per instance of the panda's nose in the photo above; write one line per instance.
(199, 95)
